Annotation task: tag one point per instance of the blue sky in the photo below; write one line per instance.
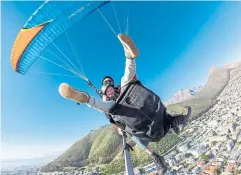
(178, 42)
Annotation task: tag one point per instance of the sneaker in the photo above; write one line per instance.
(131, 51)
(160, 163)
(68, 92)
(181, 121)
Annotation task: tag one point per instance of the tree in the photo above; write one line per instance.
(213, 143)
(235, 171)
(204, 157)
(188, 155)
(218, 171)
(142, 171)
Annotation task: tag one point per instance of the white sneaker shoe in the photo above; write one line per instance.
(68, 92)
(131, 51)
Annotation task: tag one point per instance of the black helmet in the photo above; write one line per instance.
(106, 78)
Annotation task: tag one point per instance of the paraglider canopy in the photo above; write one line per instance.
(46, 24)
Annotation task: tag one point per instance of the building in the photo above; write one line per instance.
(201, 163)
(179, 157)
(151, 168)
(218, 138)
(195, 152)
(234, 136)
(210, 170)
(230, 167)
(233, 127)
(226, 173)
(230, 145)
(137, 171)
(183, 148)
(202, 149)
(210, 154)
(190, 161)
(220, 159)
(213, 123)
(172, 162)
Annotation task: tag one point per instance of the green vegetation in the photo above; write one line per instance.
(142, 171)
(218, 171)
(165, 144)
(236, 171)
(188, 155)
(213, 143)
(104, 147)
(139, 157)
(204, 157)
(225, 161)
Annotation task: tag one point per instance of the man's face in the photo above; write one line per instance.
(110, 91)
(107, 80)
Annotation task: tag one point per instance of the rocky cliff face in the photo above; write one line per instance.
(184, 94)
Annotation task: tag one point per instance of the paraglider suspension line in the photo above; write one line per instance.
(90, 84)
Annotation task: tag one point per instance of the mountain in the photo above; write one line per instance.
(103, 147)
(183, 94)
(187, 94)
(207, 97)
(11, 164)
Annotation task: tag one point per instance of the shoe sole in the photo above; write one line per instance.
(187, 116)
(189, 111)
(68, 92)
(129, 44)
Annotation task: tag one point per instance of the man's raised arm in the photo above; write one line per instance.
(131, 52)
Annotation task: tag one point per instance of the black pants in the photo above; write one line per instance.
(167, 122)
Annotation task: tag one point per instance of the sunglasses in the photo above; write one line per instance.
(108, 82)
